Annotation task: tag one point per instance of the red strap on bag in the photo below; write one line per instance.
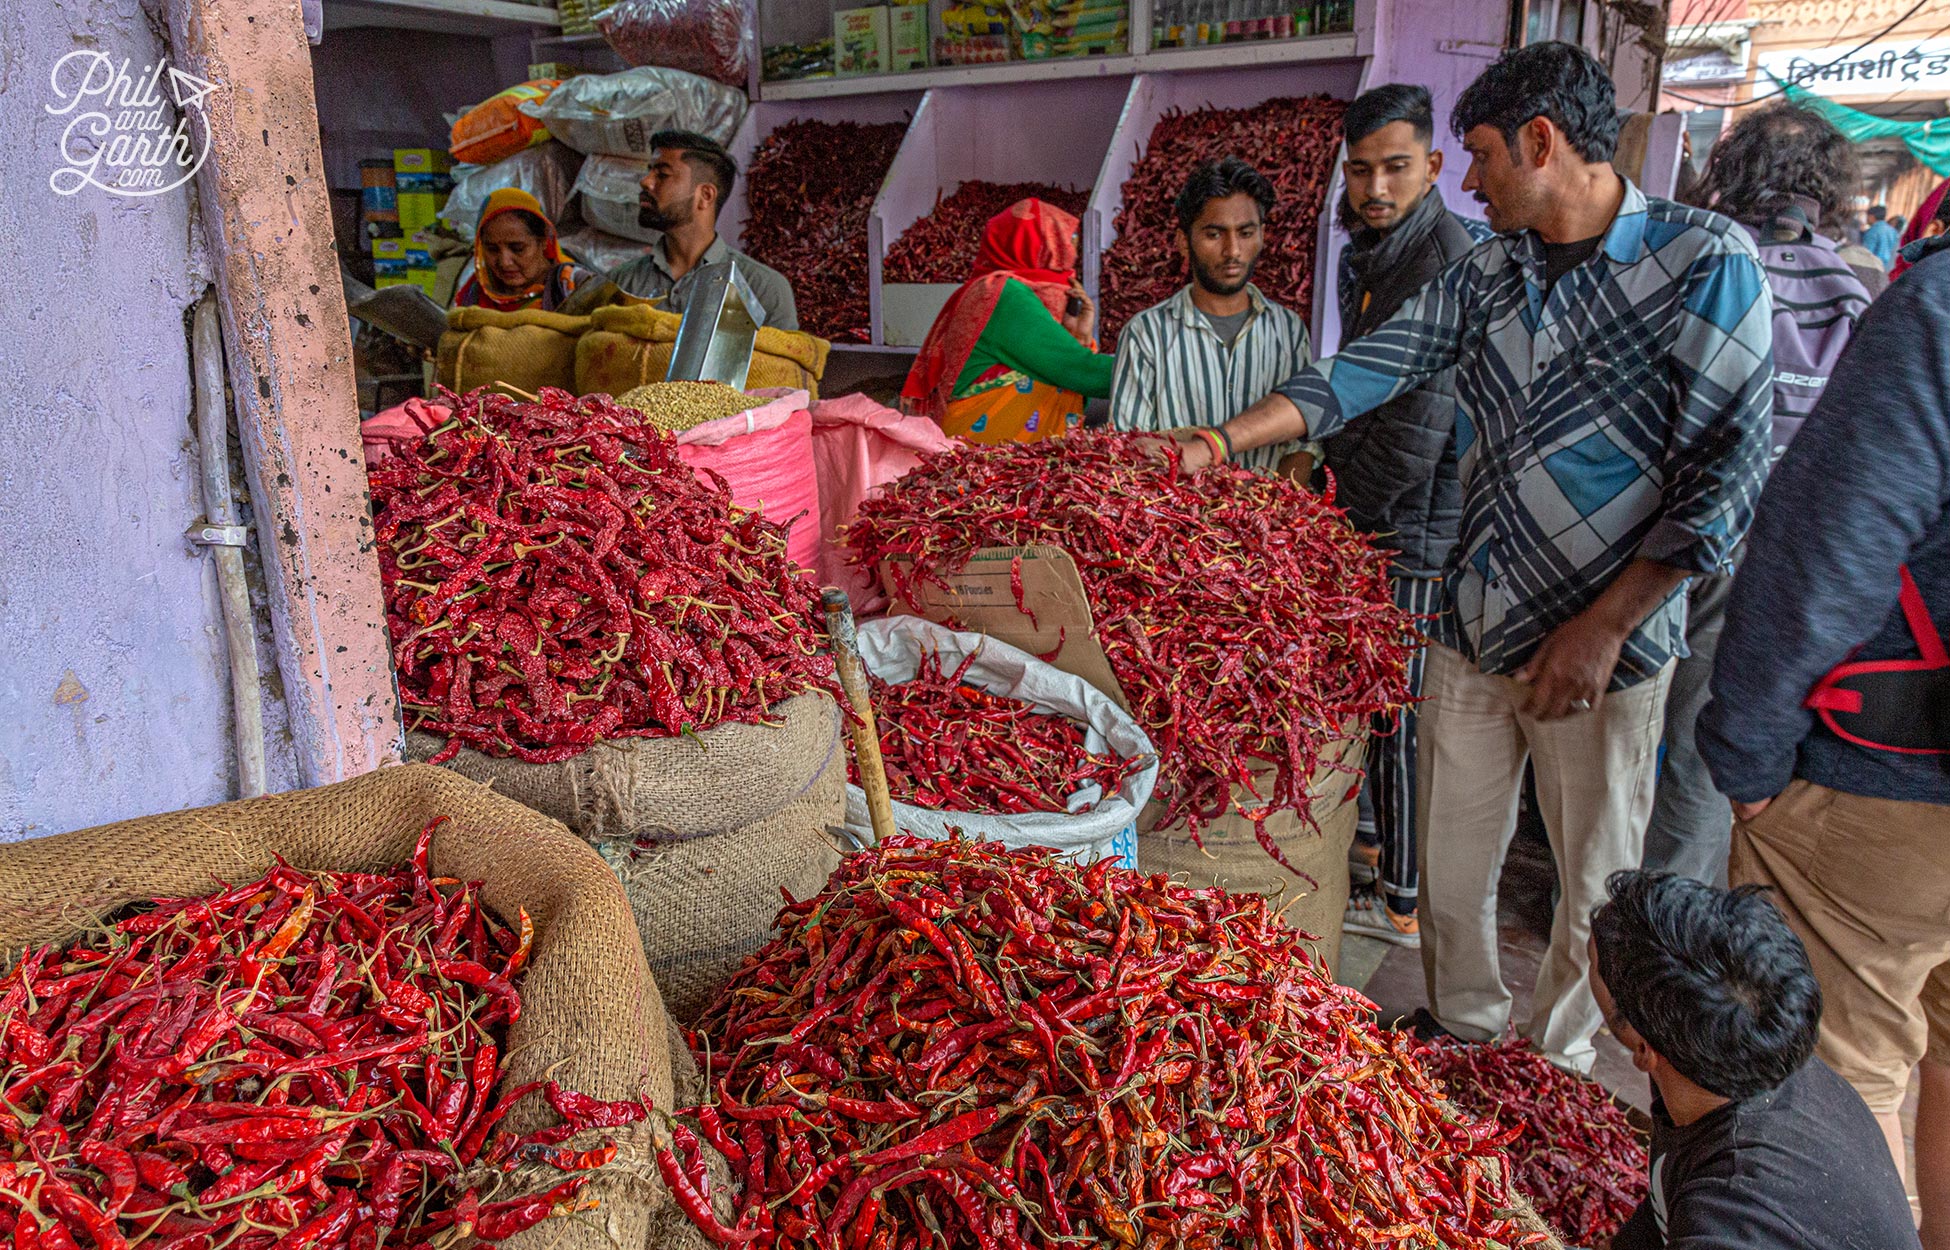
(1901, 706)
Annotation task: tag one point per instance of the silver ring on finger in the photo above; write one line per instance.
(1581, 705)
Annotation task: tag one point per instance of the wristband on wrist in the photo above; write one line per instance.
(1224, 438)
(1214, 441)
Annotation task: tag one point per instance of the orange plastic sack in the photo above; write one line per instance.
(496, 128)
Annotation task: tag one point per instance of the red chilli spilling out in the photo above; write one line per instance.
(556, 576)
(1293, 142)
(809, 193)
(1247, 621)
(307, 1060)
(1575, 1154)
(941, 247)
(964, 1046)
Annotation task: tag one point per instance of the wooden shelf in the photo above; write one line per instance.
(458, 17)
(1334, 47)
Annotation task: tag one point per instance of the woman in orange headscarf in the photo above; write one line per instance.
(517, 262)
(1006, 362)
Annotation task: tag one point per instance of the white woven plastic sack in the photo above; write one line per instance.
(597, 250)
(546, 171)
(1097, 826)
(608, 186)
(615, 114)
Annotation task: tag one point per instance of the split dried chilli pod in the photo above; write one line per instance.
(1160, 1066)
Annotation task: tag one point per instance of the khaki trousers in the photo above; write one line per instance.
(1595, 773)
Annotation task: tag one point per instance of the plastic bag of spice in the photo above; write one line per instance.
(1097, 826)
(707, 37)
(616, 114)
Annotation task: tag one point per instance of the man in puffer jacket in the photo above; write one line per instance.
(1395, 472)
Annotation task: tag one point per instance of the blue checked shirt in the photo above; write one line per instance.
(1625, 416)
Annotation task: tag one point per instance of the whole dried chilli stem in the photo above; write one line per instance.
(1575, 1155)
(306, 1060)
(1293, 142)
(942, 246)
(809, 194)
(950, 745)
(556, 576)
(956, 1045)
(1247, 621)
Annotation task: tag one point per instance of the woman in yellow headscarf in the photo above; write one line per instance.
(517, 262)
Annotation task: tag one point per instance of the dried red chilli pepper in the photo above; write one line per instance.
(1246, 620)
(1168, 1111)
(1573, 1153)
(941, 247)
(556, 576)
(241, 1092)
(808, 195)
(1293, 142)
(950, 745)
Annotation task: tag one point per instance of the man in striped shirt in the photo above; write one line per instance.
(1218, 345)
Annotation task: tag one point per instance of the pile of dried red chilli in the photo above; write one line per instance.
(555, 576)
(959, 1045)
(952, 746)
(306, 1060)
(1575, 1154)
(942, 246)
(1248, 623)
(809, 193)
(1293, 142)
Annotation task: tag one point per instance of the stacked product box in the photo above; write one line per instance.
(424, 178)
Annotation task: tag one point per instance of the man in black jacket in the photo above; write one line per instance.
(1396, 471)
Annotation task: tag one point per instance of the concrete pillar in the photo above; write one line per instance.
(267, 226)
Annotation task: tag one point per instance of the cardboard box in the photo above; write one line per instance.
(422, 161)
(907, 27)
(1057, 624)
(426, 277)
(418, 210)
(860, 41)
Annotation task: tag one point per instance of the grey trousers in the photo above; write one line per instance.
(1692, 823)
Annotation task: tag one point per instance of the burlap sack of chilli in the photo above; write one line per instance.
(1234, 860)
(521, 350)
(735, 814)
(629, 345)
(591, 1016)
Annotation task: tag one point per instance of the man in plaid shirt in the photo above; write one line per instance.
(1613, 359)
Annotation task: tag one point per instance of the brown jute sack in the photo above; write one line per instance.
(736, 813)
(526, 350)
(630, 345)
(1234, 859)
(591, 1016)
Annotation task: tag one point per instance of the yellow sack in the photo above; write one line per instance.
(496, 128)
(630, 345)
(522, 350)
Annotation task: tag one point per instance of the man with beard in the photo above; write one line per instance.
(1219, 344)
(1396, 470)
(1612, 357)
(690, 177)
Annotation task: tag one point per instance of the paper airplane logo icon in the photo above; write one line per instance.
(188, 89)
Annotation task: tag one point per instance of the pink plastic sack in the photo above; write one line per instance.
(858, 446)
(414, 417)
(766, 456)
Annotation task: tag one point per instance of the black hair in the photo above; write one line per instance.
(1390, 102)
(1554, 80)
(1879, 212)
(1216, 180)
(704, 155)
(1773, 154)
(1714, 980)
(536, 223)
(1942, 212)
(1898, 221)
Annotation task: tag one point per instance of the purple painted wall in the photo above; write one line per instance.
(112, 671)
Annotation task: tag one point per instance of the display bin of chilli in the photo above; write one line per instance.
(813, 168)
(582, 620)
(960, 1045)
(946, 183)
(1283, 120)
(396, 1011)
(1248, 623)
(982, 737)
